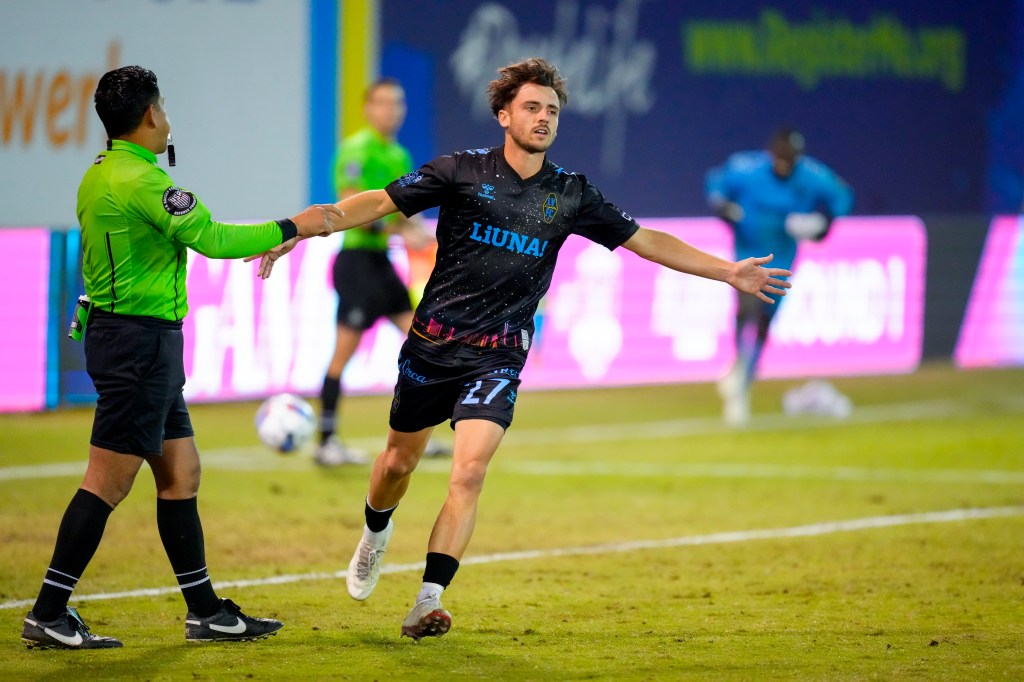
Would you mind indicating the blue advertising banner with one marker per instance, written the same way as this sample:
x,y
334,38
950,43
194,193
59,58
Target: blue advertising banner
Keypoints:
x,y
895,95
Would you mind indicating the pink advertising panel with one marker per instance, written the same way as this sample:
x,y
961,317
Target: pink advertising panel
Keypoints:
x,y
857,304
23,343
246,337
610,318
992,333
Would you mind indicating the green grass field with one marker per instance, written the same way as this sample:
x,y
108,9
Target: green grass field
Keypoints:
x,y
623,534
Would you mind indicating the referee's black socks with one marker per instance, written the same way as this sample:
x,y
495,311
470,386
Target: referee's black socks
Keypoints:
x,y
79,535
182,535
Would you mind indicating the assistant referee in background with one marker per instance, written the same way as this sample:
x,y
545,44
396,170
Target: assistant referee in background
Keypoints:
x,y
136,225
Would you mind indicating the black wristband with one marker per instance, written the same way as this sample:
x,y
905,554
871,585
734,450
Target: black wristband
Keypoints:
x,y
288,229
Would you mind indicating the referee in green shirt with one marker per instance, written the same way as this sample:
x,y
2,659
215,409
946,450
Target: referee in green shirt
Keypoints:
x,y
136,226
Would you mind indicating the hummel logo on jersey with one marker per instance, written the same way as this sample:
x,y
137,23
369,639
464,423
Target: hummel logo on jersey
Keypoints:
x,y
410,179
487,193
513,241
236,629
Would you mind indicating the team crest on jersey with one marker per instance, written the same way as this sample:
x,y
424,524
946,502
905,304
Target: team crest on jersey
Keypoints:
x,y
178,202
550,207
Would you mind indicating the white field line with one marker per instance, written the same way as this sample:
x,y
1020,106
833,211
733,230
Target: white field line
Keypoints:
x,y
242,459
810,530
702,426
767,471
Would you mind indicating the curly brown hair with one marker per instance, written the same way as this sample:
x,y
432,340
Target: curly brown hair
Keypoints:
x,y
512,77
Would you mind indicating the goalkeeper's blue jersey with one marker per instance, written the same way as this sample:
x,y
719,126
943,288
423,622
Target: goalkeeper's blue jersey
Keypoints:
x,y
747,179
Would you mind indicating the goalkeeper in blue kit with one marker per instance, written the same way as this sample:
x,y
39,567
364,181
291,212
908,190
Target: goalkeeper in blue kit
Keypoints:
x,y
772,199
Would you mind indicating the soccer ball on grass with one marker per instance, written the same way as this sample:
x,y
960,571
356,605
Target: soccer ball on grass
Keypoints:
x,y
285,423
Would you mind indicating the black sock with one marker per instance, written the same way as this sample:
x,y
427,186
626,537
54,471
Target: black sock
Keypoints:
x,y
330,395
377,521
182,535
440,569
77,539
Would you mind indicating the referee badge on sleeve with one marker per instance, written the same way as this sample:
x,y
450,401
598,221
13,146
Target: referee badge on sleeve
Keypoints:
x,y
178,201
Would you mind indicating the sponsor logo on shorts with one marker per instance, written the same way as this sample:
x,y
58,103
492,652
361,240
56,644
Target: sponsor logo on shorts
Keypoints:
x,y
406,371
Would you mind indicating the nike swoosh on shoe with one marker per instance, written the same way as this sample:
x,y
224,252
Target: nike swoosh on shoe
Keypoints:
x,y
64,639
236,629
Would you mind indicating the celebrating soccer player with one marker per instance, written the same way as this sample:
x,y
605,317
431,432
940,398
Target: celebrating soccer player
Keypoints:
x,y
504,214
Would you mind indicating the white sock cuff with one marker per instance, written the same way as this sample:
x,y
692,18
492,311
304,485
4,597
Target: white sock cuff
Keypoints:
x,y
378,510
429,591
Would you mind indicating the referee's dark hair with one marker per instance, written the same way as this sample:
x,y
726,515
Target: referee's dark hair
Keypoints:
x,y
122,96
514,76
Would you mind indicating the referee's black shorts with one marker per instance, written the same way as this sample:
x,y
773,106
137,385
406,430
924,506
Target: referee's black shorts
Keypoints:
x,y
368,288
137,366
459,382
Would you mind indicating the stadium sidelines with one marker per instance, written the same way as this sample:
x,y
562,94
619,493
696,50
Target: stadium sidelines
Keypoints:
x,y
809,530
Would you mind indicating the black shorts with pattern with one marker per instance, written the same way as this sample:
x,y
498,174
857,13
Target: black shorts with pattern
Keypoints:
x,y
454,382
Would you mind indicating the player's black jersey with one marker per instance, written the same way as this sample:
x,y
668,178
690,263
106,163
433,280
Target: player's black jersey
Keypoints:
x,y
498,237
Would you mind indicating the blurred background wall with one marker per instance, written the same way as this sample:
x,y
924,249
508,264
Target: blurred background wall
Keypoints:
x,y
920,106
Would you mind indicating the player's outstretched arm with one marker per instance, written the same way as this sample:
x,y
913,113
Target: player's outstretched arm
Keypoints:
x,y
747,275
358,209
319,220
366,207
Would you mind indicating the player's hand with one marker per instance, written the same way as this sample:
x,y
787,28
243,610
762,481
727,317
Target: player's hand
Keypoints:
x,y
268,258
319,220
748,276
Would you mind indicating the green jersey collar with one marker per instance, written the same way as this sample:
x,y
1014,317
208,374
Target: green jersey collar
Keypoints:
x,y
125,145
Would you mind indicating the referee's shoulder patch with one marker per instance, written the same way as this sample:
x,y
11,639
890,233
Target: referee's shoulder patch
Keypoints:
x,y
178,202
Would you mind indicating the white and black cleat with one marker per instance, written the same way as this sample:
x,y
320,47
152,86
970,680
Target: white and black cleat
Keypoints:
x,y
68,631
229,624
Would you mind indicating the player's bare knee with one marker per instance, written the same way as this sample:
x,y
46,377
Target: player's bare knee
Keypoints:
x,y
111,492
467,480
178,489
398,462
